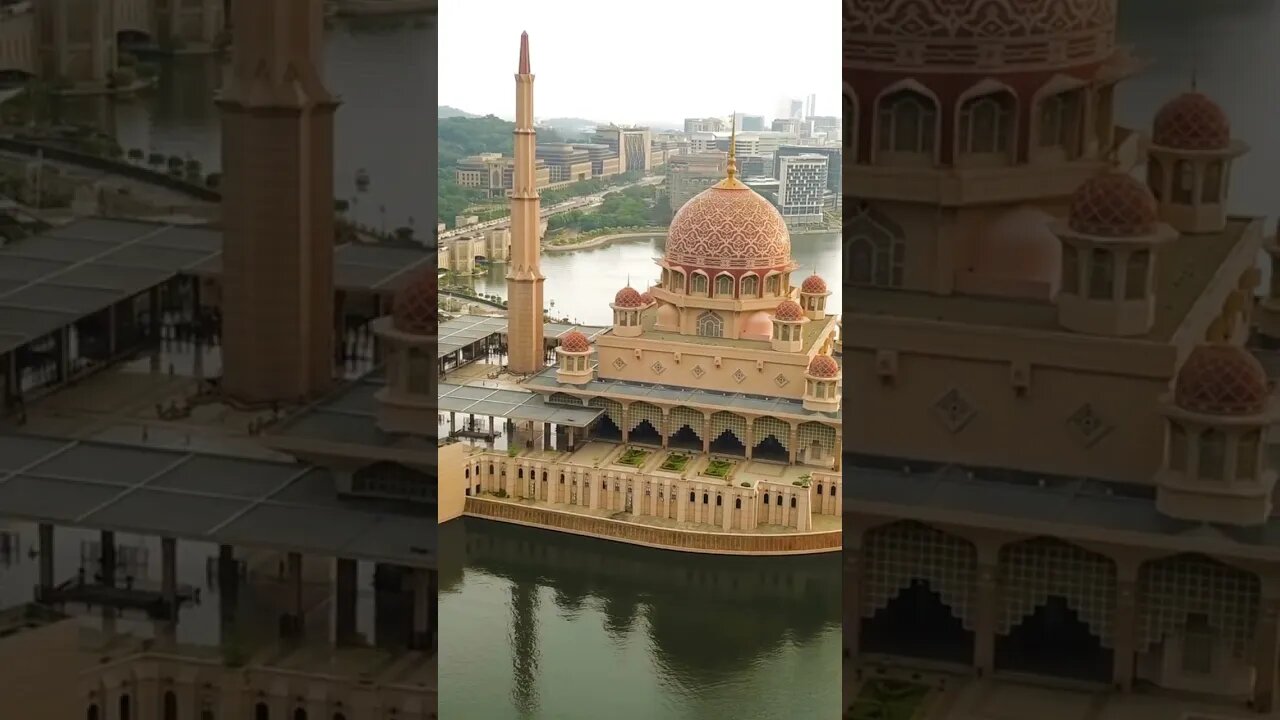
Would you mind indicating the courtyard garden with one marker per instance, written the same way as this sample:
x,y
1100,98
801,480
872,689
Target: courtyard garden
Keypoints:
x,y
633,456
718,468
884,699
675,462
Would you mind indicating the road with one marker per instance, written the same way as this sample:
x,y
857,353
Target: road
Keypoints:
x,y
573,204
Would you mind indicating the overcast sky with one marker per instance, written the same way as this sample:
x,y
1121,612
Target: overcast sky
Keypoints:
x,y
646,61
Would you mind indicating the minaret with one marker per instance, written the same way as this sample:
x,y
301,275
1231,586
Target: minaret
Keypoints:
x,y
277,206
524,274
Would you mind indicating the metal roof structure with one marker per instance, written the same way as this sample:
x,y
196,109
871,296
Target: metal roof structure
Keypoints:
x,y
51,280
675,395
464,330
206,498
349,416
513,405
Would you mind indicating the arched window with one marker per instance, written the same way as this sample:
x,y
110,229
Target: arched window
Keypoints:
x,y
908,123
750,286
779,499
1135,276
699,283
876,253
1247,455
677,281
710,325
793,502
832,491
1070,269
1060,123
300,714
261,712
92,712
737,503
1184,182
1177,447
1213,452
719,500
766,498
772,285
170,705
126,707
986,124
1101,274
1155,178
724,285
1212,190
705,498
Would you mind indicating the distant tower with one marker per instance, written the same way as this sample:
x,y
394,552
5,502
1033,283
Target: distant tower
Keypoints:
x,y
277,161
524,276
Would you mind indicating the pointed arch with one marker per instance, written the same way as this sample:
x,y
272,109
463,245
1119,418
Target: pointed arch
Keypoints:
x,y
875,249
896,554
710,324
724,285
1041,567
750,285
906,125
850,129
987,122
1171,589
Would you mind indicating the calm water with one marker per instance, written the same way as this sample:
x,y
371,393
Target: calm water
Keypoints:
x,y
540,625
582,284
381,71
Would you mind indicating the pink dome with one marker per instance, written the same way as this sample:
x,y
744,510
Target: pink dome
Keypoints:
x,y
1191,121
789,310
628,297
1113,205
646,297
728,226
814,285
1018,245
1221,379
758,324
414,309
574,342
824,366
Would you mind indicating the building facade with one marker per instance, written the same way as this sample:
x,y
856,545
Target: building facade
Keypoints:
x,y
1092,467
565,163
688,175
802,185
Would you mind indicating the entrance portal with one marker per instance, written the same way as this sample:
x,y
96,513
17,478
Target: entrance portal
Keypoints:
x,y
1053,640
917,623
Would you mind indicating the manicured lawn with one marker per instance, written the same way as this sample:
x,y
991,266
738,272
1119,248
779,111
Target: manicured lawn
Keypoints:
x,y
675,462
718,468
881,699
633,456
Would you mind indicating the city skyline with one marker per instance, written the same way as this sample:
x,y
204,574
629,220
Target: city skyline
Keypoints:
x,y
691,53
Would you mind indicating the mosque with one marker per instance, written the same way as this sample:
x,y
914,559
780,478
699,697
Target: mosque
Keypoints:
x,y
705,418
1059,467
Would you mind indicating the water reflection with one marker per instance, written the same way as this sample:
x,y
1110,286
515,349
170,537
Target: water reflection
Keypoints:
x,y
685,636
581,284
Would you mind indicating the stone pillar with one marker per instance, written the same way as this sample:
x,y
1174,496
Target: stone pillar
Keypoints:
x,y
985,614
1123,629
345,597
48,578
1268,655
791,446
107,565
424,610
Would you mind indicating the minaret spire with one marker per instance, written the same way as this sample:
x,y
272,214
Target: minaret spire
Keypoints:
x,y
525,326
731,169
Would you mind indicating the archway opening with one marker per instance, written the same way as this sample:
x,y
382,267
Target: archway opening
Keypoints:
x,y
1053,640
645,434
607,429
918,623
726,443
686,439
770,448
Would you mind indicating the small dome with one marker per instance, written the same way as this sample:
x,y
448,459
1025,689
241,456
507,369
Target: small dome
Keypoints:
x,y
628,297
668,316
1221,379
414,309
789,310
646,298
814,285
574,342
758,325
1019,245
1113,205
1191,121
824,366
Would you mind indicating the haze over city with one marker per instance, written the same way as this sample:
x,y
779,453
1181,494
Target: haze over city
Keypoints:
x,y
669,61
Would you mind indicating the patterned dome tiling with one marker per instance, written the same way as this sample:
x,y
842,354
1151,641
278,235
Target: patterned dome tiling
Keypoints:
x,y
813,285
729,228
414,309
1221,379
1113,205
574,342
1191,121
823,366
628,297
646,297
789,310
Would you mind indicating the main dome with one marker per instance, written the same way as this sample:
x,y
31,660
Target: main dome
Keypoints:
x,y
728,226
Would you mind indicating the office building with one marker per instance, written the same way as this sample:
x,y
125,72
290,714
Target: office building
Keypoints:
x,y
802,184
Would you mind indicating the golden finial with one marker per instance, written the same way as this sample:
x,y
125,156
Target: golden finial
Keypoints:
x,y
731,169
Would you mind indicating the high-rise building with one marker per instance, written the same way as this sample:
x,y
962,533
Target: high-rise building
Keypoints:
x,y
277,161
787,126
810,102
796,109
688,175
604,159
832,153
752,123
802,184
633,145
526,354
711,124
565,163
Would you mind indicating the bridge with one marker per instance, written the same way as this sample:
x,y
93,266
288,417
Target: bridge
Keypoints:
x,y
178,26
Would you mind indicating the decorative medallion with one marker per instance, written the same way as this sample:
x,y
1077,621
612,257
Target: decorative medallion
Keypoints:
x,y
657,367
698,371
1087,425
619,363
954,410
739,376
781,380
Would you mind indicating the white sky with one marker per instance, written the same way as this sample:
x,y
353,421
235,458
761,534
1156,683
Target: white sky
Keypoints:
x,y
641,60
